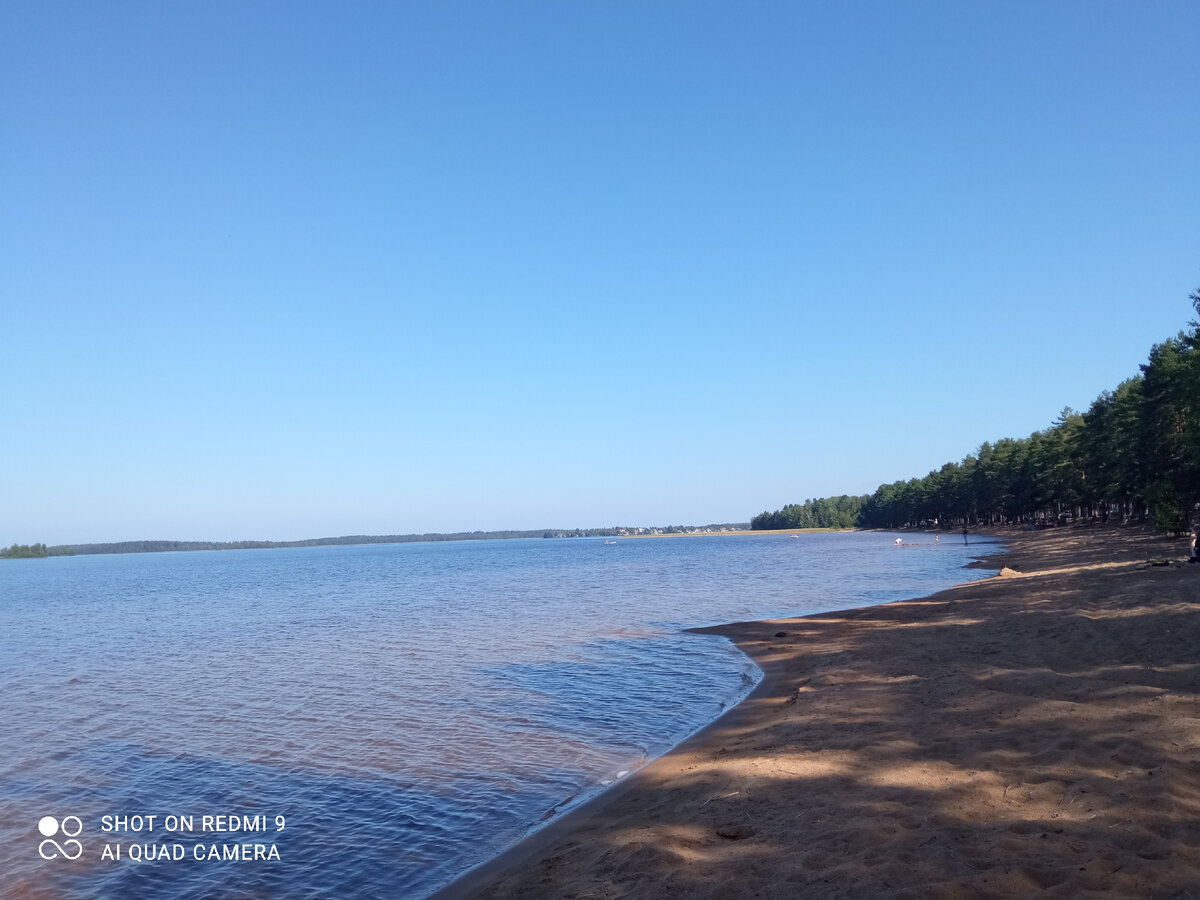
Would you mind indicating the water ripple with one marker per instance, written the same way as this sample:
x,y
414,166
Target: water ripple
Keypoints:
x,y
409,710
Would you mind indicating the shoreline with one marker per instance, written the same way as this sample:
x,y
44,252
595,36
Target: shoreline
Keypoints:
x,y
475,880
1038,732
743,532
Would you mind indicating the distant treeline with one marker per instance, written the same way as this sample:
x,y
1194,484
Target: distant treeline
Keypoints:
x,y
828,512
1134,455
345,540
40,550
25,551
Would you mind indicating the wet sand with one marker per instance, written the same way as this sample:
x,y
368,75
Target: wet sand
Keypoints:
x,y
1032,734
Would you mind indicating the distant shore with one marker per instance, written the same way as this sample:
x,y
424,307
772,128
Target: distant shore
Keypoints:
x,y
1033,733
28,551
735,532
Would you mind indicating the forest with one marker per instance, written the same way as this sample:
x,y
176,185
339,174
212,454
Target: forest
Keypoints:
x,y
826,512
25,551
1133,456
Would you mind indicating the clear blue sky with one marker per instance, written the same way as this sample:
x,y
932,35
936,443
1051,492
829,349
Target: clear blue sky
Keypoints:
x,y
290,269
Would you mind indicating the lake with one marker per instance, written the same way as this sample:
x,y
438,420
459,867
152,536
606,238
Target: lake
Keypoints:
x,y
372,721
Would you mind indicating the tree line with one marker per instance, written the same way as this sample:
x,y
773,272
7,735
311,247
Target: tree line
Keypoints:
x,y
826,512
25,551
41,550
345,540
1134,455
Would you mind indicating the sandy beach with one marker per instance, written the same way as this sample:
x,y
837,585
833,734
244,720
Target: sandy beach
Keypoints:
x,y
1036,733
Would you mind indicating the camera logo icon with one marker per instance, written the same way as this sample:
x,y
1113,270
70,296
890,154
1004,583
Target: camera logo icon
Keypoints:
x,y
70,828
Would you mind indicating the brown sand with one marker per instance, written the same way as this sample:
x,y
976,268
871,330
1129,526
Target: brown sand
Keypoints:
x,y
1035,734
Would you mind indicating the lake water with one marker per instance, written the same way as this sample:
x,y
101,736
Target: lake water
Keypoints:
x,y
377,719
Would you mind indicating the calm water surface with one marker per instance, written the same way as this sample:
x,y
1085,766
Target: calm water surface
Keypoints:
x,y
406,710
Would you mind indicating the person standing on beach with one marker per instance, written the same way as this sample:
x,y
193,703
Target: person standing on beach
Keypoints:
x,y
965,541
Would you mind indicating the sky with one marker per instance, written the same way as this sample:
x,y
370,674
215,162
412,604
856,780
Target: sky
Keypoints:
x,y
277,270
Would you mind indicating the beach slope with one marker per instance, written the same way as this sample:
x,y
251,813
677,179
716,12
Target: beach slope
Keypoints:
x,y
1034,733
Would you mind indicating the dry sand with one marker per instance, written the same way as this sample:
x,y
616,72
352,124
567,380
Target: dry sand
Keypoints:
x,y
1030,735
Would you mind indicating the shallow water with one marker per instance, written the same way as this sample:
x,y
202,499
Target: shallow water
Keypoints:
x,y
408,710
